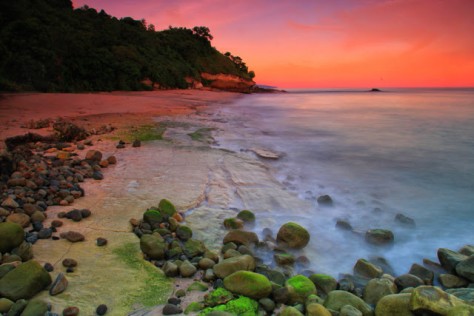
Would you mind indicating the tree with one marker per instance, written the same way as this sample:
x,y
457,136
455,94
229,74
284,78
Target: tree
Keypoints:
x,y
203,32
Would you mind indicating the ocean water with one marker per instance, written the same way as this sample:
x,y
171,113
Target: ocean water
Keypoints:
x,y
408,151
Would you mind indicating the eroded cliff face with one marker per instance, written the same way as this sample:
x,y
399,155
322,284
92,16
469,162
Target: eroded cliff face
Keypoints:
x,y
228,82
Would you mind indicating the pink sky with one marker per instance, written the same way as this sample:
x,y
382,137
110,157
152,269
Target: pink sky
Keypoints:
x,y
321,43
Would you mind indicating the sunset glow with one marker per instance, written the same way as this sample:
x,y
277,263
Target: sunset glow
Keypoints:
x,y
341,43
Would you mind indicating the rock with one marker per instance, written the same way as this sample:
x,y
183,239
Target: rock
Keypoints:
x,y
281,295
452,281
153,245
316,309
267,304
290,311
337,299
11,236
187,269
5,268
94,155
379,237
167,208
48,267
193,248
104,163
101,309
249,284
228,266
218,297
274,276
10,203
378,288
23,251
283,259
71,311
5,305
299,288
433,299
241,237
394,305
423,273
324,283
465,268
408,280
19,218
233,223
466,294
197,286
246,216
405,220
324,200
100,242
59,285
153,217
348,310
75,215
45,233
56,223
112,160
18,307
25,281
170,269
462,310
344,225
35,308
37,217
184,232
171,309
293,235
206,263
194,307
72,236
449,259
174,301
467,250
209,275
367,269
136,143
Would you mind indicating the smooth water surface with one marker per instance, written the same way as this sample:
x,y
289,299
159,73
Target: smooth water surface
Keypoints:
x,y
376,154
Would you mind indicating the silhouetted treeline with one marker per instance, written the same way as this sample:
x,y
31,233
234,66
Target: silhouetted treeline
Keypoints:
x,y
46,45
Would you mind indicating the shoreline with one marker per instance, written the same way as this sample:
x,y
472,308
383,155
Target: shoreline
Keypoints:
x,y
207,184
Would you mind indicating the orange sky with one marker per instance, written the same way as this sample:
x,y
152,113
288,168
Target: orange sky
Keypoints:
x,y
329,43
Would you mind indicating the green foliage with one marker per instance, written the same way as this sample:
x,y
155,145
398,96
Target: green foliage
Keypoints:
x,y
47,45
240,306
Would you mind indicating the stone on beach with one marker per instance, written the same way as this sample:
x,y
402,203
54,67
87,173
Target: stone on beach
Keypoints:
x,y
241,237
72,236
11,236
379,237
465,268
59,285
293,235
249,284
234,264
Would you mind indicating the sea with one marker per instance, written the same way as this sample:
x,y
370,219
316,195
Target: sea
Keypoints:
x,y
376,154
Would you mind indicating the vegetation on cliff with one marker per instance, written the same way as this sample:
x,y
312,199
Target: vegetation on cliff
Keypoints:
x,y
47,45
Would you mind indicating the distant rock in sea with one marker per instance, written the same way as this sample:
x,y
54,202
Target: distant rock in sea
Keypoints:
x,y
375,90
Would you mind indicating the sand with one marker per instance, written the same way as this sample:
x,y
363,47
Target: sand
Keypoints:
x,y
206,184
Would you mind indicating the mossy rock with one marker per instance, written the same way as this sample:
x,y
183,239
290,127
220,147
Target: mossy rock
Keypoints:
x,y
197,286
25,281
242,306
193,248
184,232
228,266
337,299
233,223
241,237
283,259
367,269
316,309
378,288
291,311
299,288
167,208
379,237
152,217
464,310
293,235
324,283
193,307
433,299
5,304
246,216
5,268
35,308
11,236
218,297
394,304
249,284
153,245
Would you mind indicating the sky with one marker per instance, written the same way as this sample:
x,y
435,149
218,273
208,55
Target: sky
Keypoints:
x,y
328,43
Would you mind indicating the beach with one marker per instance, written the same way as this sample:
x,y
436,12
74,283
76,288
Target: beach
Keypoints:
x,y
203,182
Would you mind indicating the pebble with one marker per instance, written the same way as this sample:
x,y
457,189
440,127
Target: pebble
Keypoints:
x,y
101,241
69,263
101,309
48,267
71,311
59,285
72,236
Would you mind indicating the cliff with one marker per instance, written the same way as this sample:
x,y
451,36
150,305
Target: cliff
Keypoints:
x,y
228,82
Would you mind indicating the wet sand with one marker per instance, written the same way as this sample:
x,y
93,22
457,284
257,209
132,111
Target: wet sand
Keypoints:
x,y
206,184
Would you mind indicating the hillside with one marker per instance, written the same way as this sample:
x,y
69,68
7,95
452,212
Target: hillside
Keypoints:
x,y
47,45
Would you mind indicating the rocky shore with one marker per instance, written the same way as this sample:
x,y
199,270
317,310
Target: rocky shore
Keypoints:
x,y
93,222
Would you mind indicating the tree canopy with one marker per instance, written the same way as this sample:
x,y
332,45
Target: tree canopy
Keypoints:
x,y
47,45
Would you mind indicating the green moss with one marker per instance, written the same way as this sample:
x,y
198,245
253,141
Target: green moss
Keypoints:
x,y
247,216
218,297
300,287
202,135
152,217
156,287
197,286
193,307
146,132
233,223
240,306
167,208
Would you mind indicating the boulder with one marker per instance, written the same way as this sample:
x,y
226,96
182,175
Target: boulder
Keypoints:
x,y
249,284
193,248
228,266
394,305
423,273
167,208
152,217
299,288
449,259
246,216
233,223
466,294
348,310
378,288
408,280
293,235
462,310
274,276
241,237
153,245
170,269
316,309
184,232
11,236
187,269
433,299
19,218
452,281
367,269
35,308
324,283
465,268
25,281
337,299
379,237
405,220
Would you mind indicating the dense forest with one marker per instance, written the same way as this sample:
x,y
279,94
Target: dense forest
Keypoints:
x,y
47,45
